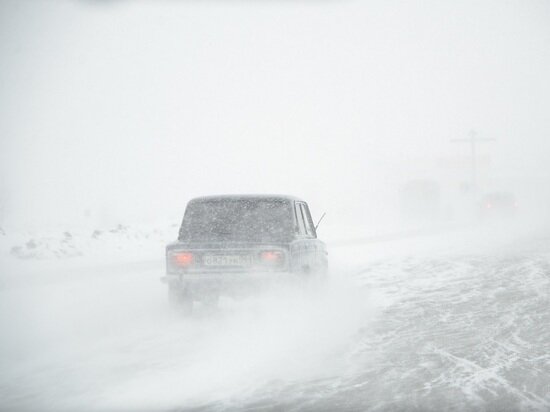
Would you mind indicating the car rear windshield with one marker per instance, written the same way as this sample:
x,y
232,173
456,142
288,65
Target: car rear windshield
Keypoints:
x,y
258,220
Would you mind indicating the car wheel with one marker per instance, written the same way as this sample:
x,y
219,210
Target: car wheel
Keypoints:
x,y
180,300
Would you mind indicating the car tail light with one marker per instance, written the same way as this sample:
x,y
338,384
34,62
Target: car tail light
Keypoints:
x,y
183,258
272,257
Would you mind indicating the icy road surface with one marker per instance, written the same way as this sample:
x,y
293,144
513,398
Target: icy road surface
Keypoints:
x,y
449,322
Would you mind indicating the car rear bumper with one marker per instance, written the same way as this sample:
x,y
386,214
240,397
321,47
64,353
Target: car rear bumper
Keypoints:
x,y
227,283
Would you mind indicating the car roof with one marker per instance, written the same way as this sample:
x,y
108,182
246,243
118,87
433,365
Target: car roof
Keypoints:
x,y
285,198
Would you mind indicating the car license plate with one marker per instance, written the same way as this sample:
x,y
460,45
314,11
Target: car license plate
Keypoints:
x,y
227,260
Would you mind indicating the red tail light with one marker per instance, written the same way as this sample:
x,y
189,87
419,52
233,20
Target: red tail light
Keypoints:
x,y
183,258
272,256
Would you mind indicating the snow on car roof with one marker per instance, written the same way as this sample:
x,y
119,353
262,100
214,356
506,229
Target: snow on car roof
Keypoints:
x,y
245,197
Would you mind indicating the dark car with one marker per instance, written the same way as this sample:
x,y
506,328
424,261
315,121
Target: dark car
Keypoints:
x,y
228,245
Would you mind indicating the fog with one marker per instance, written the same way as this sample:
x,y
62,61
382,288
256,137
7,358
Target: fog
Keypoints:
x,y
129,109
114,114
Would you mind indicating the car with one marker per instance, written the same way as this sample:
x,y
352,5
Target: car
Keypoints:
x,y
234,244
498,205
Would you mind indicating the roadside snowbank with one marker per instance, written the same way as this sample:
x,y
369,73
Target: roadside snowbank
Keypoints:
x,y
119,243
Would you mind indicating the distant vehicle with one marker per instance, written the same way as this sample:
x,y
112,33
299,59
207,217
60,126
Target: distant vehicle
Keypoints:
x,y
498,204
229,244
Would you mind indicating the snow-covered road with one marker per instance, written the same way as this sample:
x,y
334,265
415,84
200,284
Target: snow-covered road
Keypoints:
x,y
446,322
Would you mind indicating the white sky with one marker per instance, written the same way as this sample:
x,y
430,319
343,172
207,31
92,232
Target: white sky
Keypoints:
x,y
131,108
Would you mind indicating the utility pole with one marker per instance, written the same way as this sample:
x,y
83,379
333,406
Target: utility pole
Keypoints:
x,y
473,139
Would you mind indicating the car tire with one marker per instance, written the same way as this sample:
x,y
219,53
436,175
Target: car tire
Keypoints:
x,y
180,300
